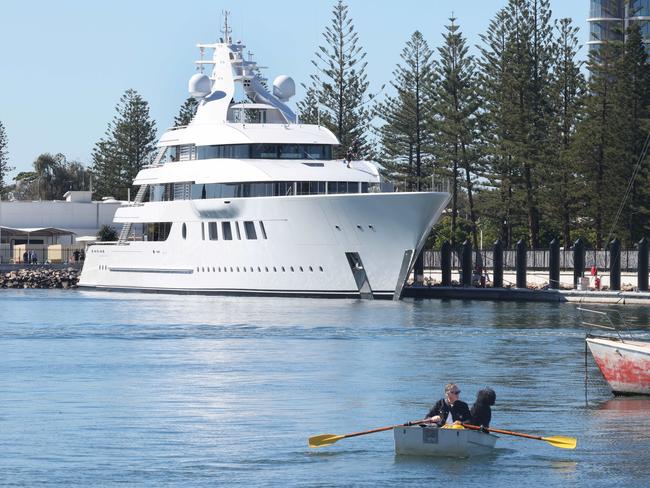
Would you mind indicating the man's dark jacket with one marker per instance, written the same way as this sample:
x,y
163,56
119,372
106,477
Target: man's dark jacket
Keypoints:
x,y
459,411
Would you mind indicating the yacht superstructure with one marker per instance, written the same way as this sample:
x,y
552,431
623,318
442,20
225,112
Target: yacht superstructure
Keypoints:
x,y
247,200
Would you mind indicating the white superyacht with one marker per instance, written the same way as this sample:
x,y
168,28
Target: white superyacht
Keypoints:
x,y
247,200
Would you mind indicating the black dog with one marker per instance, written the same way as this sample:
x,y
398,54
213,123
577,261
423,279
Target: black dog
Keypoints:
x,y
481,411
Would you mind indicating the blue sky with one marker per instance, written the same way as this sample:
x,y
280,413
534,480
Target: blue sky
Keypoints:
x,y
65,64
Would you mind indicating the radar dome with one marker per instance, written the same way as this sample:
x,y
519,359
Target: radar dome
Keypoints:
x,y
199,85
284,87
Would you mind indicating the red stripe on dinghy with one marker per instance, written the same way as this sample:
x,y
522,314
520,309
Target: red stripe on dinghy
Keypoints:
x,y
621,372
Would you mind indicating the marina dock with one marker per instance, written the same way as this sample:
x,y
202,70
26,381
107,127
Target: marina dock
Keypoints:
x,y
526,295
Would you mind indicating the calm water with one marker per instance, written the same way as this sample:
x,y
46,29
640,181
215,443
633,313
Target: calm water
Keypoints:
x,y
152,390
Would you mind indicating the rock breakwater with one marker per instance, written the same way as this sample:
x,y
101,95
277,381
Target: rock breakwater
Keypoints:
x,y
40,278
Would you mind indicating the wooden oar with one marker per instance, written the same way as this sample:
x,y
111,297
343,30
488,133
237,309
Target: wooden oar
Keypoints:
x,y
329,439
560,441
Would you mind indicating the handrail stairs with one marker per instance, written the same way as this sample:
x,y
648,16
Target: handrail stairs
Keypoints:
x,y
142,191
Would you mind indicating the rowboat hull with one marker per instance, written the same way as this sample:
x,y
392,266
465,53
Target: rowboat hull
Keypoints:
x,y
624,364
433,441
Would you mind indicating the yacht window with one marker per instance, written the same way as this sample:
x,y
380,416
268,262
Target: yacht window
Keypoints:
x,y
202,231
187,152
290,151
237,229
316,187
226,231
184,231
212,231
230,151
263,229
257,151
264,151
171,154
283,188
156,231
249,229
182,191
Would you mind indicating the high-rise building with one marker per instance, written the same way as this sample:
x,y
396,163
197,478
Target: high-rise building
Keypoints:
x,y
608,20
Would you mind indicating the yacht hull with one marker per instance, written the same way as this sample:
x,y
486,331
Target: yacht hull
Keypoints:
x,y
346,245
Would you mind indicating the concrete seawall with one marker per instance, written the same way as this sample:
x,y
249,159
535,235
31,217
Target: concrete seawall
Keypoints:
x,y
525,295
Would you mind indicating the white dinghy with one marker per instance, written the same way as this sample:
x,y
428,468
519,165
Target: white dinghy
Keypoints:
x,y
443,442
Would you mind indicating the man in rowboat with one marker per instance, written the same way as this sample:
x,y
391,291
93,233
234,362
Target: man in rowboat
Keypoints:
x,y
449,409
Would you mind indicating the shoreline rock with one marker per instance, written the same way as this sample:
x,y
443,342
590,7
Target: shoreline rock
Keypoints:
x,y
40,277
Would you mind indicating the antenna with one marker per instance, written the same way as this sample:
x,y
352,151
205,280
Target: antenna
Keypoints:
x,y
200,66
226,30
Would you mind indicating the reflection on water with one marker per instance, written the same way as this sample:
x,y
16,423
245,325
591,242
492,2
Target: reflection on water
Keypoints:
x,y
151,390
628,405
564,467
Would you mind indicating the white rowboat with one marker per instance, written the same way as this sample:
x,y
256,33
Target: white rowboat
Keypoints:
x,y
434,441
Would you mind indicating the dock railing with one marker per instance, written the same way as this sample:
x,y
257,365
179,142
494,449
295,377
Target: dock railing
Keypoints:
x,y
539,259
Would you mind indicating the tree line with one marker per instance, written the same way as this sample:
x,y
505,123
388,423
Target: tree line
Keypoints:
x,y
531,148
527,144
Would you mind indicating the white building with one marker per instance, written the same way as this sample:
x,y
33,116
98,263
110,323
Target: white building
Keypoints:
x,y
39,224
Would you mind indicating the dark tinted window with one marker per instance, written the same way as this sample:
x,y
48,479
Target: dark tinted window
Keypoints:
x,y
212,231
157,231
249,229
265,151
226,231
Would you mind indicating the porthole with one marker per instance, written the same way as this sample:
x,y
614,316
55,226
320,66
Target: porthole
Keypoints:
x,y
301,270
291,268
184,230
311,269
238,269
213,269
251,269
219,268
259,270
266,268
320,268
197,269
275,270
231,269
283,270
